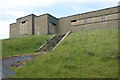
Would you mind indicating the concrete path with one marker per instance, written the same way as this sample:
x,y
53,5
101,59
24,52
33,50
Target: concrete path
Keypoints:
x,y
14,62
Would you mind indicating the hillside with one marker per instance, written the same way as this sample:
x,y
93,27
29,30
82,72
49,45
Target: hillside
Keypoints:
x,y
86,54
23,45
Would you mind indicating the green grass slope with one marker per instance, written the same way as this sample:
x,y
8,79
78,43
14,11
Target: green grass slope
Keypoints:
x,y
22,45
87,54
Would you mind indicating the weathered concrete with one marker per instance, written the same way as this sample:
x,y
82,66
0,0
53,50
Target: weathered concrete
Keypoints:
x,y
47,24
41,25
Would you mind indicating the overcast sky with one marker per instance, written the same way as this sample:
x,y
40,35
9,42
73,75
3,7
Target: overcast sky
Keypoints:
x,y
12,9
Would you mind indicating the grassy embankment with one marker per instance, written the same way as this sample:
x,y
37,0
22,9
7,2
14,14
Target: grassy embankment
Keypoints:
x,y
87,54
22,45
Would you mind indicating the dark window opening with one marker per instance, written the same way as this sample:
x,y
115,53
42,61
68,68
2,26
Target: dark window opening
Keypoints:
x,y
23,22
73,20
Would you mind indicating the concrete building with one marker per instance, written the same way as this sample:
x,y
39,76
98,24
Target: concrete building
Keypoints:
x,y
47,24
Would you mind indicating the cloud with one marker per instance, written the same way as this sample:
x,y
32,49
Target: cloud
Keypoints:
x,y
16,12
4,29
25,3
92,0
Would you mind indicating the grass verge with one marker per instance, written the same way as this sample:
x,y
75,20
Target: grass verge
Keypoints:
x,y
23,45
86,54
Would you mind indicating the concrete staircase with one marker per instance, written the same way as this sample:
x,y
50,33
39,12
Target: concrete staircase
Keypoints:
x,y
52,43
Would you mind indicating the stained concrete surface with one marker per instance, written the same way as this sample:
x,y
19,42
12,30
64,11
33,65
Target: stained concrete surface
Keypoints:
x,y
14,61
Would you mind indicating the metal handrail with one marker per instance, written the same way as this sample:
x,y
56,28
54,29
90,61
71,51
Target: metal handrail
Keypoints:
x,y
61,40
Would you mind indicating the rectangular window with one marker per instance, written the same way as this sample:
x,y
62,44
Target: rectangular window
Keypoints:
x,y
103,18
85,21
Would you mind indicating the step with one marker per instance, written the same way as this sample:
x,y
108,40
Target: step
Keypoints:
x,y
52,43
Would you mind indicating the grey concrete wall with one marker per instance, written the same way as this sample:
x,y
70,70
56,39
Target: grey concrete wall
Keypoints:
x,y
13,30
29,25
18,29
37,25
112,16
94,19
65,24
52,27
96,26
24,28
41,25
